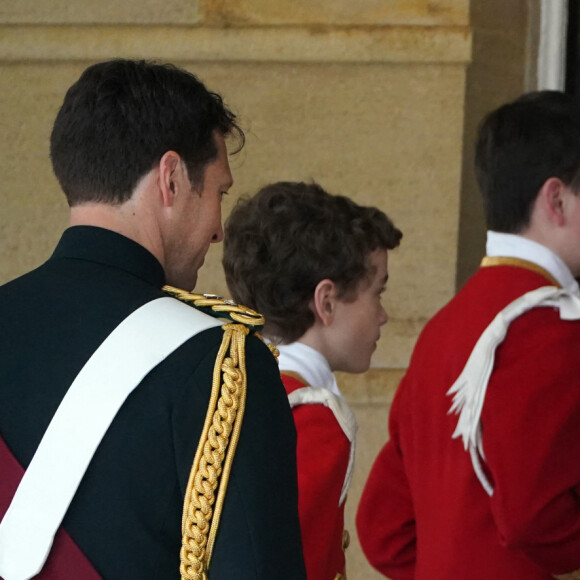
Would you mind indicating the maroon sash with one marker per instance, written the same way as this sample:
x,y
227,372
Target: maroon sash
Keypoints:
x,y
66,561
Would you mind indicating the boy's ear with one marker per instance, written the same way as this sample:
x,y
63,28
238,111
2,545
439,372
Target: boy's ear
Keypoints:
x,y
552,197
324,301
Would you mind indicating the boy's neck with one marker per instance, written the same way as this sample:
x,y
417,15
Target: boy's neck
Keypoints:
x,y
314,337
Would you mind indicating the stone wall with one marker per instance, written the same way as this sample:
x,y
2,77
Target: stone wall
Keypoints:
x,y
368,98
503,66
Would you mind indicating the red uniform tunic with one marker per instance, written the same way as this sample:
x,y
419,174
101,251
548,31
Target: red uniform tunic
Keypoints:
x,y
322,458
424,514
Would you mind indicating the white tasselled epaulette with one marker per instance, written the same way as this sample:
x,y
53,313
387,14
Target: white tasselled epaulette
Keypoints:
x,y
470,387
343,415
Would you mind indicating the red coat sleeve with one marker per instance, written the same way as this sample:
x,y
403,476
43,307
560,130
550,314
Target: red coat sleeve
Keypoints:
x,y
531,440
385,518
322,458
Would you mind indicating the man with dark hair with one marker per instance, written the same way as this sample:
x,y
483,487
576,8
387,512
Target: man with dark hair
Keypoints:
x,y
479,478
316,266
128,408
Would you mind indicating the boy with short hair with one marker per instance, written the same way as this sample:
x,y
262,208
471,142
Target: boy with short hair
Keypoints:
x,y
495,491
315,265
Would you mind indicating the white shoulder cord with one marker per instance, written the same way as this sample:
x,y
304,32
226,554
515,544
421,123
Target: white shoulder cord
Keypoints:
x,y
470,387
343,414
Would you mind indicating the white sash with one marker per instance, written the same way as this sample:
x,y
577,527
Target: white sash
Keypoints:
x,y
144,339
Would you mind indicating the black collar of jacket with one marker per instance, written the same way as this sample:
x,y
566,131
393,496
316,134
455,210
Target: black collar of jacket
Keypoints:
x,y
112,249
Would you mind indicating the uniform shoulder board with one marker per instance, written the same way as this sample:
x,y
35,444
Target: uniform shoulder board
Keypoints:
x,y
219,307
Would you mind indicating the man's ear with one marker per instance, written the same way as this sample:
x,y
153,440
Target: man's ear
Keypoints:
x,y
323,302
169,174
552,199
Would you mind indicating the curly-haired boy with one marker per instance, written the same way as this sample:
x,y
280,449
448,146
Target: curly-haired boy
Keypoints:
x,y
315,265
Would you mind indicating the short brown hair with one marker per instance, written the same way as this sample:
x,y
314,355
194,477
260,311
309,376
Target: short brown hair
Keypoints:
x,y
280,243
121,116
519,146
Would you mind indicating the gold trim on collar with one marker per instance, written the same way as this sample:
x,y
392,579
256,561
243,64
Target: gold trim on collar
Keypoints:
x,y
519,263
295,376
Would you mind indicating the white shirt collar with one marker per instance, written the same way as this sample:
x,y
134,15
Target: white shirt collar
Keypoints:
x,y
514,246
310,364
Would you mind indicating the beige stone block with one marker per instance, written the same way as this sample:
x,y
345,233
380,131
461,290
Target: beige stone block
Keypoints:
x,y
397,341
21,43
376,386
503,68
34,211
370,395
101,12
370,12
499,14
371,436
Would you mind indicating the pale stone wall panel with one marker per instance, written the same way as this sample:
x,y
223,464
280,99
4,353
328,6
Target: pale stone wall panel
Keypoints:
x,y
370,395
338,12
500,71
412,44
99,12
499,14
34,210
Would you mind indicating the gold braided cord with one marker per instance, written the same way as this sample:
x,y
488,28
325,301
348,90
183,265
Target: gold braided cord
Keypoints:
x,y
235,381
209,475
274,350
196,516
212,464
218,305
271,346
